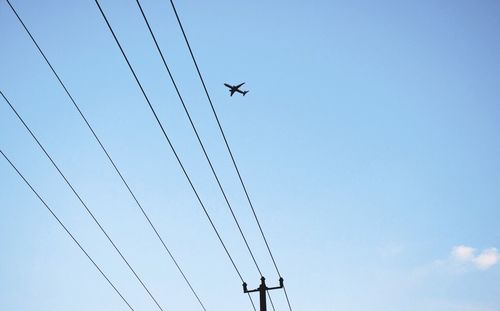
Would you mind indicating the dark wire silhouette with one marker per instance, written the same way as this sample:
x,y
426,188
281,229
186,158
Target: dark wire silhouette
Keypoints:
x,y
112,163
169,142
82,202
227,145
207,157
198,136
67,230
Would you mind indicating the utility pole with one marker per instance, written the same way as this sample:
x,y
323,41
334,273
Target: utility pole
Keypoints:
x,y
262,291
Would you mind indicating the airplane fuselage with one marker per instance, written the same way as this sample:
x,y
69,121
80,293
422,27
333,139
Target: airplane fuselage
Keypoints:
x,y
235,88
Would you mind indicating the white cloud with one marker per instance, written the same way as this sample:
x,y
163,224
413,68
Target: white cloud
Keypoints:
x,y
483,261
488,258
463,253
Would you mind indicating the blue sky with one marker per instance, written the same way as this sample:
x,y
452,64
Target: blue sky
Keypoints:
x,y
369,143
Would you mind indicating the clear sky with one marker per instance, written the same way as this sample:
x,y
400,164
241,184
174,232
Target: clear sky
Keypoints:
x,y
369,142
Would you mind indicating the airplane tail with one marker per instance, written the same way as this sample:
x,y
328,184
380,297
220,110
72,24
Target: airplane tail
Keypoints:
x,y
244,93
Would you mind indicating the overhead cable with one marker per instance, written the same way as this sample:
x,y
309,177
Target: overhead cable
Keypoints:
x,y
82,202
104,149
214,173
227,145
67,231
163,130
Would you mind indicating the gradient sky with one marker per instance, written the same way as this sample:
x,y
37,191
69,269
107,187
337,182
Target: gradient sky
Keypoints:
x,y
369,142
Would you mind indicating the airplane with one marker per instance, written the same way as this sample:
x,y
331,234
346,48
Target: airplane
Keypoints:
x,y
235,88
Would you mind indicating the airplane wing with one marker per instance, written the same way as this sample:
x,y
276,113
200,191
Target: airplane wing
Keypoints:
x,y
232,91
239,85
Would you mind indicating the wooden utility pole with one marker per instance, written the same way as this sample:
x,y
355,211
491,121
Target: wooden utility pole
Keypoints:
x,y
262,291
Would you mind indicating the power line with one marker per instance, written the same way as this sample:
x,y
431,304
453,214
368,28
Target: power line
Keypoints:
x,y
227,145
82,202
170,143
112,163
67,230
200,141
198,136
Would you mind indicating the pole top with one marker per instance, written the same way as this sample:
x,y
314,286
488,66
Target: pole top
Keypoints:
x,y
262,283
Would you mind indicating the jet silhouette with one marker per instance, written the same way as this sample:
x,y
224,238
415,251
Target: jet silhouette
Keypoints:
x,y
235,88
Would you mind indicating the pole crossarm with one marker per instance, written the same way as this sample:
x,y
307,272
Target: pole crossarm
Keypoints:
x,y
262,289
